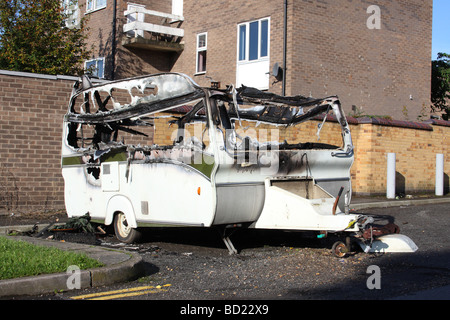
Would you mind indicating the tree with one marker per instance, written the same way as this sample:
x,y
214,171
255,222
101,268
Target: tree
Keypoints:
x,y
34,38
440,85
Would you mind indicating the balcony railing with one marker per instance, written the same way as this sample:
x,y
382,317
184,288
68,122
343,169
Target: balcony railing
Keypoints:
x,y
166,35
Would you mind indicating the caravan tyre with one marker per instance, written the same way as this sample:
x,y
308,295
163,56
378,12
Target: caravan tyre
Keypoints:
x,y
339,249
123,231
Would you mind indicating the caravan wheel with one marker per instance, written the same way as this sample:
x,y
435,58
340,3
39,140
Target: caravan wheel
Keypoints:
x,y
339,249
123,231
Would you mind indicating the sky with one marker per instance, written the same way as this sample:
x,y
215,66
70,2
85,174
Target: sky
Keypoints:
x,y
441,27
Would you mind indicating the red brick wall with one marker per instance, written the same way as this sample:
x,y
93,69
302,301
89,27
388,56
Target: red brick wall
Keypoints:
x,y
134,61
334,52
220,20
31,113
99,23
128,61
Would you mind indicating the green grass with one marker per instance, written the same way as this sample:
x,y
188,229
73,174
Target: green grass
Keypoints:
x,y
21,259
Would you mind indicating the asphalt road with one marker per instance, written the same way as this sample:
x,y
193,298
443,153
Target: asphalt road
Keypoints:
x,y
193,264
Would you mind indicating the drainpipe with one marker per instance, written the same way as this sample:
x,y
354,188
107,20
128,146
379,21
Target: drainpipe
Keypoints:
x,y
284,48
113,42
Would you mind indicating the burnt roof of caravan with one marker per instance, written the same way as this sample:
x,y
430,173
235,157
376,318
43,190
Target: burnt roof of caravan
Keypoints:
x,y
175,89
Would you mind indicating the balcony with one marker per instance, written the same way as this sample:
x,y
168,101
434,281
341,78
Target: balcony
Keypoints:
x,y
153,30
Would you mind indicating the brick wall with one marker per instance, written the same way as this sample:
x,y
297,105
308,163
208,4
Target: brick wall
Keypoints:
x,y
415,145
135,61
99,24
220,19
129,62
31,113
377,71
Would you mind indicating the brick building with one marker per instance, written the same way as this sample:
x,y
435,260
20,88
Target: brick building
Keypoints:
x,y
375,55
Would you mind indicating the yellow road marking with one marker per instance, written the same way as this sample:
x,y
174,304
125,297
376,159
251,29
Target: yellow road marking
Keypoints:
x,y
130,294
121,293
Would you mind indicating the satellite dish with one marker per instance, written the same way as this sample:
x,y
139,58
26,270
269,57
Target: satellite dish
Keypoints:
x,y
277,71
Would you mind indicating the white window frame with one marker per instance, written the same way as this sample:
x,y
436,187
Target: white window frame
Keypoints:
x,y
94,5
96,60
247,41
199,50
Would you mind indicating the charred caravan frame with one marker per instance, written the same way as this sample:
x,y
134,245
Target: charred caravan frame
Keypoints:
x,y
229,162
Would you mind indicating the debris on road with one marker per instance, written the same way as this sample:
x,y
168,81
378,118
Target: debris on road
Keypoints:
x,y
76,224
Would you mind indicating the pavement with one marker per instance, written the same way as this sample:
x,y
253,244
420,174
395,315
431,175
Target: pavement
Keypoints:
x,y
360,202
122,266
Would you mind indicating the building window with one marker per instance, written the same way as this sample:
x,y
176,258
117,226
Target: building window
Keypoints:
x,y
253,40
253,50
202,46
95,67
93,5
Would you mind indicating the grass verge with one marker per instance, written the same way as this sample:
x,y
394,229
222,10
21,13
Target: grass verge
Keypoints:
x,y
22,259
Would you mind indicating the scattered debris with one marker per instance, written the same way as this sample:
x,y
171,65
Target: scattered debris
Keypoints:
x,y
30,232
79,230
76,224
101,230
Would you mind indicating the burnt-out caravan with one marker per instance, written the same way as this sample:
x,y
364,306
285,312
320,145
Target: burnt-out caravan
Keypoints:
x,y
159,150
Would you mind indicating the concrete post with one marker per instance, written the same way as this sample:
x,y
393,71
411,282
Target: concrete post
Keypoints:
x,y
391,169
439,174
